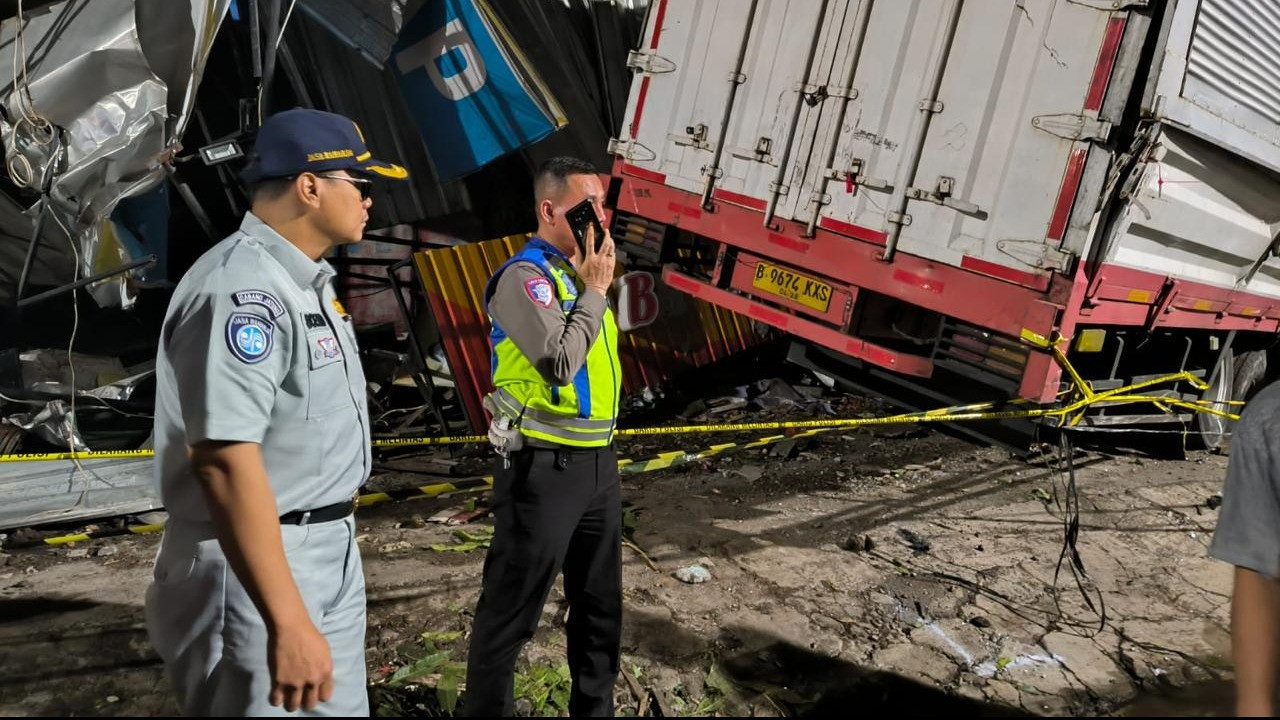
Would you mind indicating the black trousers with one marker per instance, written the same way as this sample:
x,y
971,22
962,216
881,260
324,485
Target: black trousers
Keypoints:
x,y
555,509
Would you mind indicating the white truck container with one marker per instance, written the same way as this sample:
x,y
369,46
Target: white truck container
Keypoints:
x,y
912,184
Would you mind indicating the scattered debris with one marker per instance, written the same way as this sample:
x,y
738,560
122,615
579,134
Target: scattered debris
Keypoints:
x,y
694,409
460,514
396,546
78,553
693,574
640,551
786,450
1214,502
909,434
637,691
441,638
107,551
467,541
858,543
915,540
980,622
751,472
725,404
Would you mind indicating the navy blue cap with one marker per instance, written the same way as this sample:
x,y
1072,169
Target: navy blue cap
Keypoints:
x,y
303,140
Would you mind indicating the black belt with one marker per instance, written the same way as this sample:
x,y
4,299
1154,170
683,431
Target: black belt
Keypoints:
x,y
566,453
328,513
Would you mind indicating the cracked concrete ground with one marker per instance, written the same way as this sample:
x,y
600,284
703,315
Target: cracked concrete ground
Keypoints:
x,y
977,623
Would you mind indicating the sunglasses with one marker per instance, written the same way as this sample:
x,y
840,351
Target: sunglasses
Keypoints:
x,y
364,185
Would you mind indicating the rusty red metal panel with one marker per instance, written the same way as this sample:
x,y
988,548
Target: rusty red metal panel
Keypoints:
x,y
684,333
1177,303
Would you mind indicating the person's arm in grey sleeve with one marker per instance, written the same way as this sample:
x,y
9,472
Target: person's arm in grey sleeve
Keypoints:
x,y
525,307
1248,536
229,362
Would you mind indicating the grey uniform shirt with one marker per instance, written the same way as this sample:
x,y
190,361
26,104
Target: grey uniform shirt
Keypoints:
x,y
1248,532
554,343
255,348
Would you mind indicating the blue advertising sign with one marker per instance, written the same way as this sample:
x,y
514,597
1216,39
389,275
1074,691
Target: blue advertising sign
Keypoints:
x,y
471,102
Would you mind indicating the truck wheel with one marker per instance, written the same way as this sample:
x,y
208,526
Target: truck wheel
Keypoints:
x,y
10,439
1236,379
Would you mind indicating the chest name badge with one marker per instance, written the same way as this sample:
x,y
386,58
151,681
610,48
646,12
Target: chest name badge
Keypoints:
x,y
249,337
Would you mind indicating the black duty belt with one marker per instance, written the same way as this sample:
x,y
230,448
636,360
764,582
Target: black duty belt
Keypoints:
x,y
328,513
565,453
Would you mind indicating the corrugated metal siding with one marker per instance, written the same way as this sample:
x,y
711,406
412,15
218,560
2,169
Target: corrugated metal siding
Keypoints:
x,y
370,26
688,333
1236,51
34,493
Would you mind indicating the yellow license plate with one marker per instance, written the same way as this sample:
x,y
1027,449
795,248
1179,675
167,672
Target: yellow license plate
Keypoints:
x,y
792,286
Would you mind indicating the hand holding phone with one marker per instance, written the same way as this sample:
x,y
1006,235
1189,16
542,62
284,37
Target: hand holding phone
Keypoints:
x,y
581,217
595,263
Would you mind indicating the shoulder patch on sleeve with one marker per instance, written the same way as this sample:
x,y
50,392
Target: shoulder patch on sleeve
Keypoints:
x,y
540,291
249,337
259,297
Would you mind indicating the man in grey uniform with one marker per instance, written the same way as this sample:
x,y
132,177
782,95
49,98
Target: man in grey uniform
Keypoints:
x,y
1248,536
262,440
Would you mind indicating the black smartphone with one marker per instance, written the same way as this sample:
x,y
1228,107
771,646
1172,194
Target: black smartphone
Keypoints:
x,y
581,217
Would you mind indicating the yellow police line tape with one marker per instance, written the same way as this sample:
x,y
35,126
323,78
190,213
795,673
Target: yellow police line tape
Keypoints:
x,y
662,461
1067,415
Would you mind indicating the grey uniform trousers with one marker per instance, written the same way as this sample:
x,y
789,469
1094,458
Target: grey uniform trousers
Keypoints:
x,y
213,640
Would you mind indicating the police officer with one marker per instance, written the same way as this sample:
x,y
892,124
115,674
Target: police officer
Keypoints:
x,y
262,439
556,495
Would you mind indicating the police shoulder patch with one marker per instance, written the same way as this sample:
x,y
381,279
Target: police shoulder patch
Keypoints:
x,y
249,337
540,291
259,297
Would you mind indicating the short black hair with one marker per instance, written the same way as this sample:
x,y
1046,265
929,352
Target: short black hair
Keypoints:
x,y
272,188
552,175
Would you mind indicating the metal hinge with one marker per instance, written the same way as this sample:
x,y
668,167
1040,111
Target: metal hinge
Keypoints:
x,y
1037,254
631,150
1073,126
1108,5
819,199
647,61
